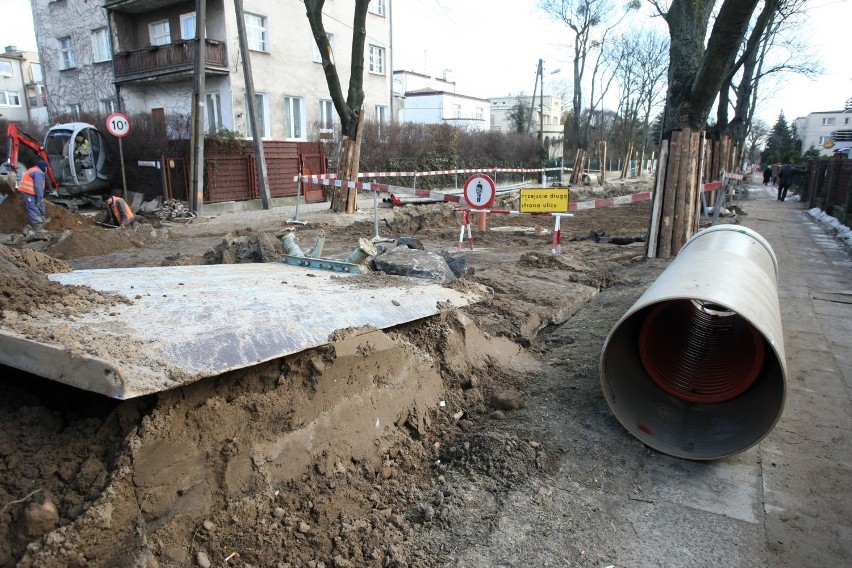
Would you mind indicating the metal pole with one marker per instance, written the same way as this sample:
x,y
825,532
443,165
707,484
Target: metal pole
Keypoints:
x,y
260,159
196,196
295,220
541,122
123,178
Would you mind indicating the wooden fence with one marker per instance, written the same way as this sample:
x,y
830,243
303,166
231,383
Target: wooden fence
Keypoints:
x,y
231,175
827,184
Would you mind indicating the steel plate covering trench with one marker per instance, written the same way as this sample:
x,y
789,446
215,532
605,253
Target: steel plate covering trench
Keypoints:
x,y
188,322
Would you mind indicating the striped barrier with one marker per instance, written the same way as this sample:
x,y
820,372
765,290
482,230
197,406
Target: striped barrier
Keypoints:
x,y
465,224
440,172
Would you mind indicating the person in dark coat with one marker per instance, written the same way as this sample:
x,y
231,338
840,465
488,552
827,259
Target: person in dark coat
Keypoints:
x,y
767,175
785,179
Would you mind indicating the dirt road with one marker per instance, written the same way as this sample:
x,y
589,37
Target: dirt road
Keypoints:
x,y
475,438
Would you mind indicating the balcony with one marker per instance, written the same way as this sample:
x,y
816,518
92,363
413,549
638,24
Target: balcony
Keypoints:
x,y
175,60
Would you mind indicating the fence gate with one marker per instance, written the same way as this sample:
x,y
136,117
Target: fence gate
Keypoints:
x,y
313,164
177,178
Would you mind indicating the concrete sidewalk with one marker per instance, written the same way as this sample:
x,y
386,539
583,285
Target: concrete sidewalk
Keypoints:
x,y
785,503
806,461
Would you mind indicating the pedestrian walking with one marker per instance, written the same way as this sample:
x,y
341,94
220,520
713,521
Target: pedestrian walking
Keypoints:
x,y
785,179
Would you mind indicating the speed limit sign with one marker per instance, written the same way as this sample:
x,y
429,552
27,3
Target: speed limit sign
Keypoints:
x,y
118,125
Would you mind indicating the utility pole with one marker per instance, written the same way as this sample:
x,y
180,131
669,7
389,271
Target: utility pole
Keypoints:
x,y
196,190
541,122
260,159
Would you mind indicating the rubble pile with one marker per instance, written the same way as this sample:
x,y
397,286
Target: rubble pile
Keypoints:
x,y
169,210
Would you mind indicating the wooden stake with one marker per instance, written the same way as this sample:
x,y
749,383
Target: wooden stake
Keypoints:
x,y
659,183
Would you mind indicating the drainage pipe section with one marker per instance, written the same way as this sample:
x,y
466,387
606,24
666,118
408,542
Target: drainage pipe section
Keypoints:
x,y
695,369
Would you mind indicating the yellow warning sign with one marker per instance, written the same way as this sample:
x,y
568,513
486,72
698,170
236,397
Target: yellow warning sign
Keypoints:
x,y
544,200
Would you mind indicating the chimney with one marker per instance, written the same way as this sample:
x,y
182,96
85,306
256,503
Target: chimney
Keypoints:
x,y
11,49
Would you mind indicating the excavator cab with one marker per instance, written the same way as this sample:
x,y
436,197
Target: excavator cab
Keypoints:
x,y
79,158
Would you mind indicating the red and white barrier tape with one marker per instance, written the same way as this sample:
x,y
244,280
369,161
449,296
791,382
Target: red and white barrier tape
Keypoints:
x,y
438,172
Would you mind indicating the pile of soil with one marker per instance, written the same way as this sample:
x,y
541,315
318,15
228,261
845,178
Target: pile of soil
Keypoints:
x,y
347,455
73,236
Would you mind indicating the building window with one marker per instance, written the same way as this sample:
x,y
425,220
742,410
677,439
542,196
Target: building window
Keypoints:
x,y
377,7
6,68
10,98
828,121
326,115
108,106
74,110
262,115
294,117
456,111
66,53
214,112
100,45
35,73
159,33
377,59
822,139
480,113
318,56
187,26
382,114
256,32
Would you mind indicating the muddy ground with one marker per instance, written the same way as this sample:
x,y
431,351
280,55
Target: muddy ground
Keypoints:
x,y
383,448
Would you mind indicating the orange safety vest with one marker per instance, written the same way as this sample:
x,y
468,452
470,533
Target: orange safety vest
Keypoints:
x,y
26,184
116,205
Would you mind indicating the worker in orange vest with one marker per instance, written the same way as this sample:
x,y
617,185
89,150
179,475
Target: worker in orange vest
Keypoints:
x,y
31,188
118,212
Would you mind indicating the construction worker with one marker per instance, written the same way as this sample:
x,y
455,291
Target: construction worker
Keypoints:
x,y
118,213
31,189
82,151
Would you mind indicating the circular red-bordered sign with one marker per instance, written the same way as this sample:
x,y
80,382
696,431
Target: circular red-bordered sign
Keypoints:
x,y
118,125
479,191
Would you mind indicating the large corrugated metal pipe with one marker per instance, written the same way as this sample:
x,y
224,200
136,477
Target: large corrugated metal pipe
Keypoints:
x,y
695,369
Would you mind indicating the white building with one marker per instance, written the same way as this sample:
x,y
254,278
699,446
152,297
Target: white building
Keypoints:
x,y
431,100
829,131
22,96
96,53
546,110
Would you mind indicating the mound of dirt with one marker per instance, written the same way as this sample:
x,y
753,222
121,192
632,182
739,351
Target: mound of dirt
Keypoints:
x,y
321,454
13,216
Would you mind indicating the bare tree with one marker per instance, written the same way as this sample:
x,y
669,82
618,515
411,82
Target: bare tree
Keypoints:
x,y
350,108
638,60
695,76
590,21
757,134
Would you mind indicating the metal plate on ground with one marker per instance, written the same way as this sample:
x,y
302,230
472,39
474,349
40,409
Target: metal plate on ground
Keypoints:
x,y
184,323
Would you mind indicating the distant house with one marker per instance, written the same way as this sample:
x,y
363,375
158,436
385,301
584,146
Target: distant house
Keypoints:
x,y
829,131
429,100
22,96
138,56
545,112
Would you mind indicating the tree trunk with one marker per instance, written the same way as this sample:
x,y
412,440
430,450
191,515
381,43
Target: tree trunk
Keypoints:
x,y
696,75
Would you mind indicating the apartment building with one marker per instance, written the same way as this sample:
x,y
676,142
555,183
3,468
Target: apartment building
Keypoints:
x,y
22,96
138,56
828,131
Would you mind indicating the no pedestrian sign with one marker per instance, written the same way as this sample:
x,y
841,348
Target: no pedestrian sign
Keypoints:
x,y
544,200
479,191
118,125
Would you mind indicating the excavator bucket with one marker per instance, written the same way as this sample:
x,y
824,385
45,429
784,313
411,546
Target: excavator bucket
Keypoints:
x,y
185,323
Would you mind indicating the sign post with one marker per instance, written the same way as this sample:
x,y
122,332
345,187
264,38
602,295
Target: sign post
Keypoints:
x,y
118,125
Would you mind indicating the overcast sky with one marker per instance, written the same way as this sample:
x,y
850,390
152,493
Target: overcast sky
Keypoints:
x,y
492,49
